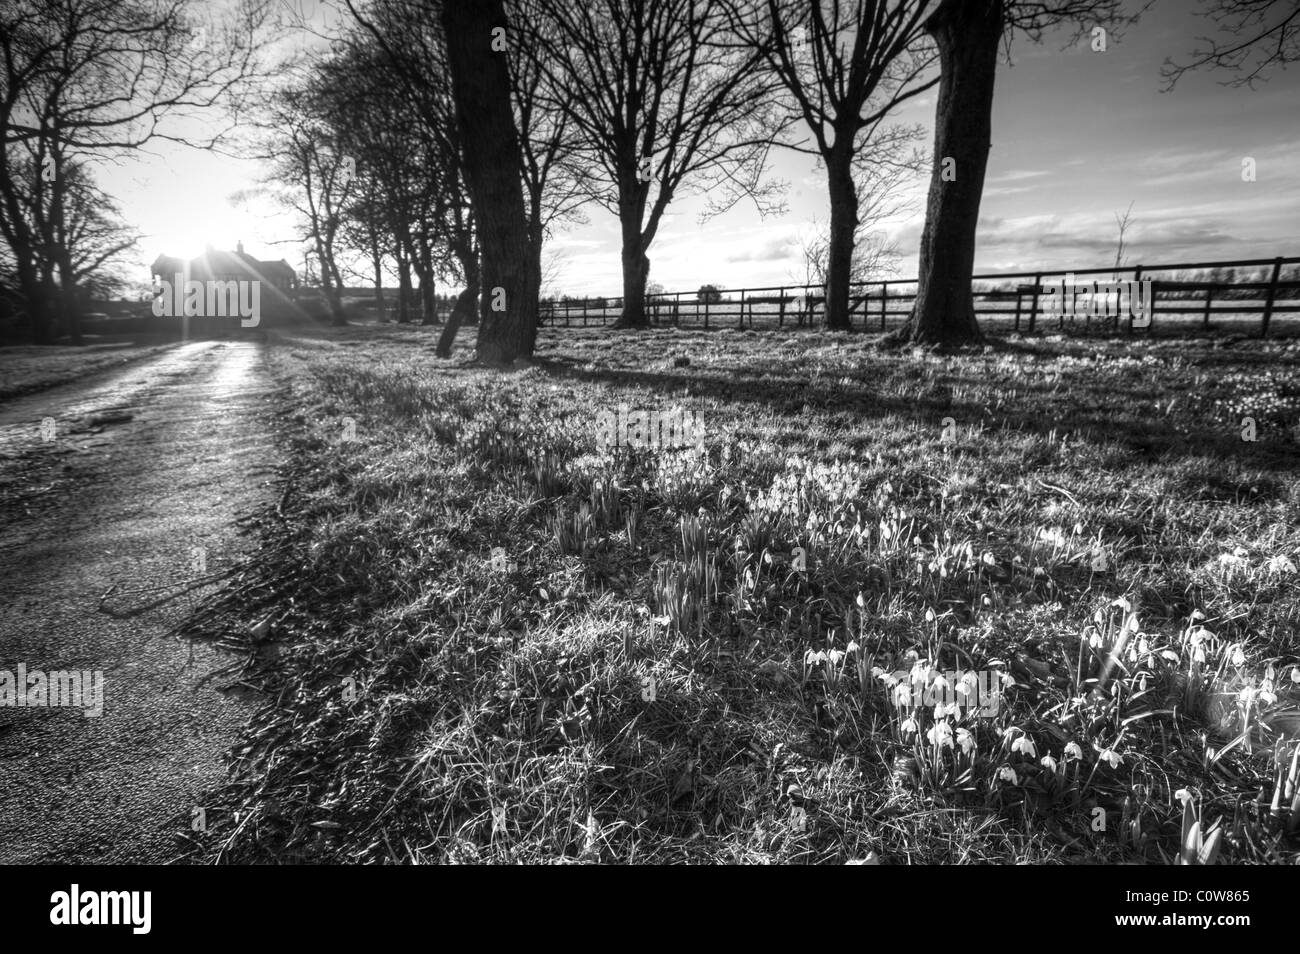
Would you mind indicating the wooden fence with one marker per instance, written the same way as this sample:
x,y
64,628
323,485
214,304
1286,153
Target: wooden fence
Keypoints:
x,y
1179,300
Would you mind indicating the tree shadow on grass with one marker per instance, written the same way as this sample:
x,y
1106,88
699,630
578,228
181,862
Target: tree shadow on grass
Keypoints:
x,y
1112,412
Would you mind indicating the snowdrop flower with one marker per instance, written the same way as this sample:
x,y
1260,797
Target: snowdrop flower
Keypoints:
x,y
966,740
1008,774
965,684
909,727
1183,795
1295,674
813,657
1279,564
942,711
1026,745
1238,657
853,647
902,695
835,656
1048,763
941,735
1111,757
1094,641
1073,752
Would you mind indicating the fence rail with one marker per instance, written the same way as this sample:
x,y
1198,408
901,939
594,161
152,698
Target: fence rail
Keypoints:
x,y
1178,299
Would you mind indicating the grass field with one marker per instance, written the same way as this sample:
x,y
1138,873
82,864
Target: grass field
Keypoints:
x,y
691,658
25,369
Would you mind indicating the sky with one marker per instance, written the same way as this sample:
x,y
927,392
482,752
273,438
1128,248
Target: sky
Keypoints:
x,y
1078,135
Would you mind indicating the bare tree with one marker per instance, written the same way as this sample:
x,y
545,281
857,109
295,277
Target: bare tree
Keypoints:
x,y
847,64
667,101
481,88
877,188
1122,223
968,34
86,79
1265,34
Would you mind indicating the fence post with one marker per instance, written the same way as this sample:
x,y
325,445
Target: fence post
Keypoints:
x,y
742,312
707,296
1272,297
1033,308
1209,296
884,293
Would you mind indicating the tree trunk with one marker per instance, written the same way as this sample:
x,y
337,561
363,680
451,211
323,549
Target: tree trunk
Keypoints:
x,y
466,304
69,301
485,117
403,289
844,228
428,303
636,272
967,35
378,260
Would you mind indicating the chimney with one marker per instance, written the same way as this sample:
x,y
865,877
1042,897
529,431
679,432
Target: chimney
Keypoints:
x,y
239,247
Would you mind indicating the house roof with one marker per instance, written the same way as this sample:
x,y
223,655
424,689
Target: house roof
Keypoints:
x,y
214,262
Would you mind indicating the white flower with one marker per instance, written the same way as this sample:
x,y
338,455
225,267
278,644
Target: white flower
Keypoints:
x,y
965,684
1048,763
966,740
1279,564
902,695
853,646
1008,774
835,656
942,711
1111,757
1073,752
813,657
941,735
909,727
1026,745
1238,656
1295,674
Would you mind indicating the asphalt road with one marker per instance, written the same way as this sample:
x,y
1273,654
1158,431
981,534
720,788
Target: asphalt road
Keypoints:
x,y
142,466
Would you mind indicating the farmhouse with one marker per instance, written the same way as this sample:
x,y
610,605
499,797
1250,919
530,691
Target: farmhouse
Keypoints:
x,y
278,281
